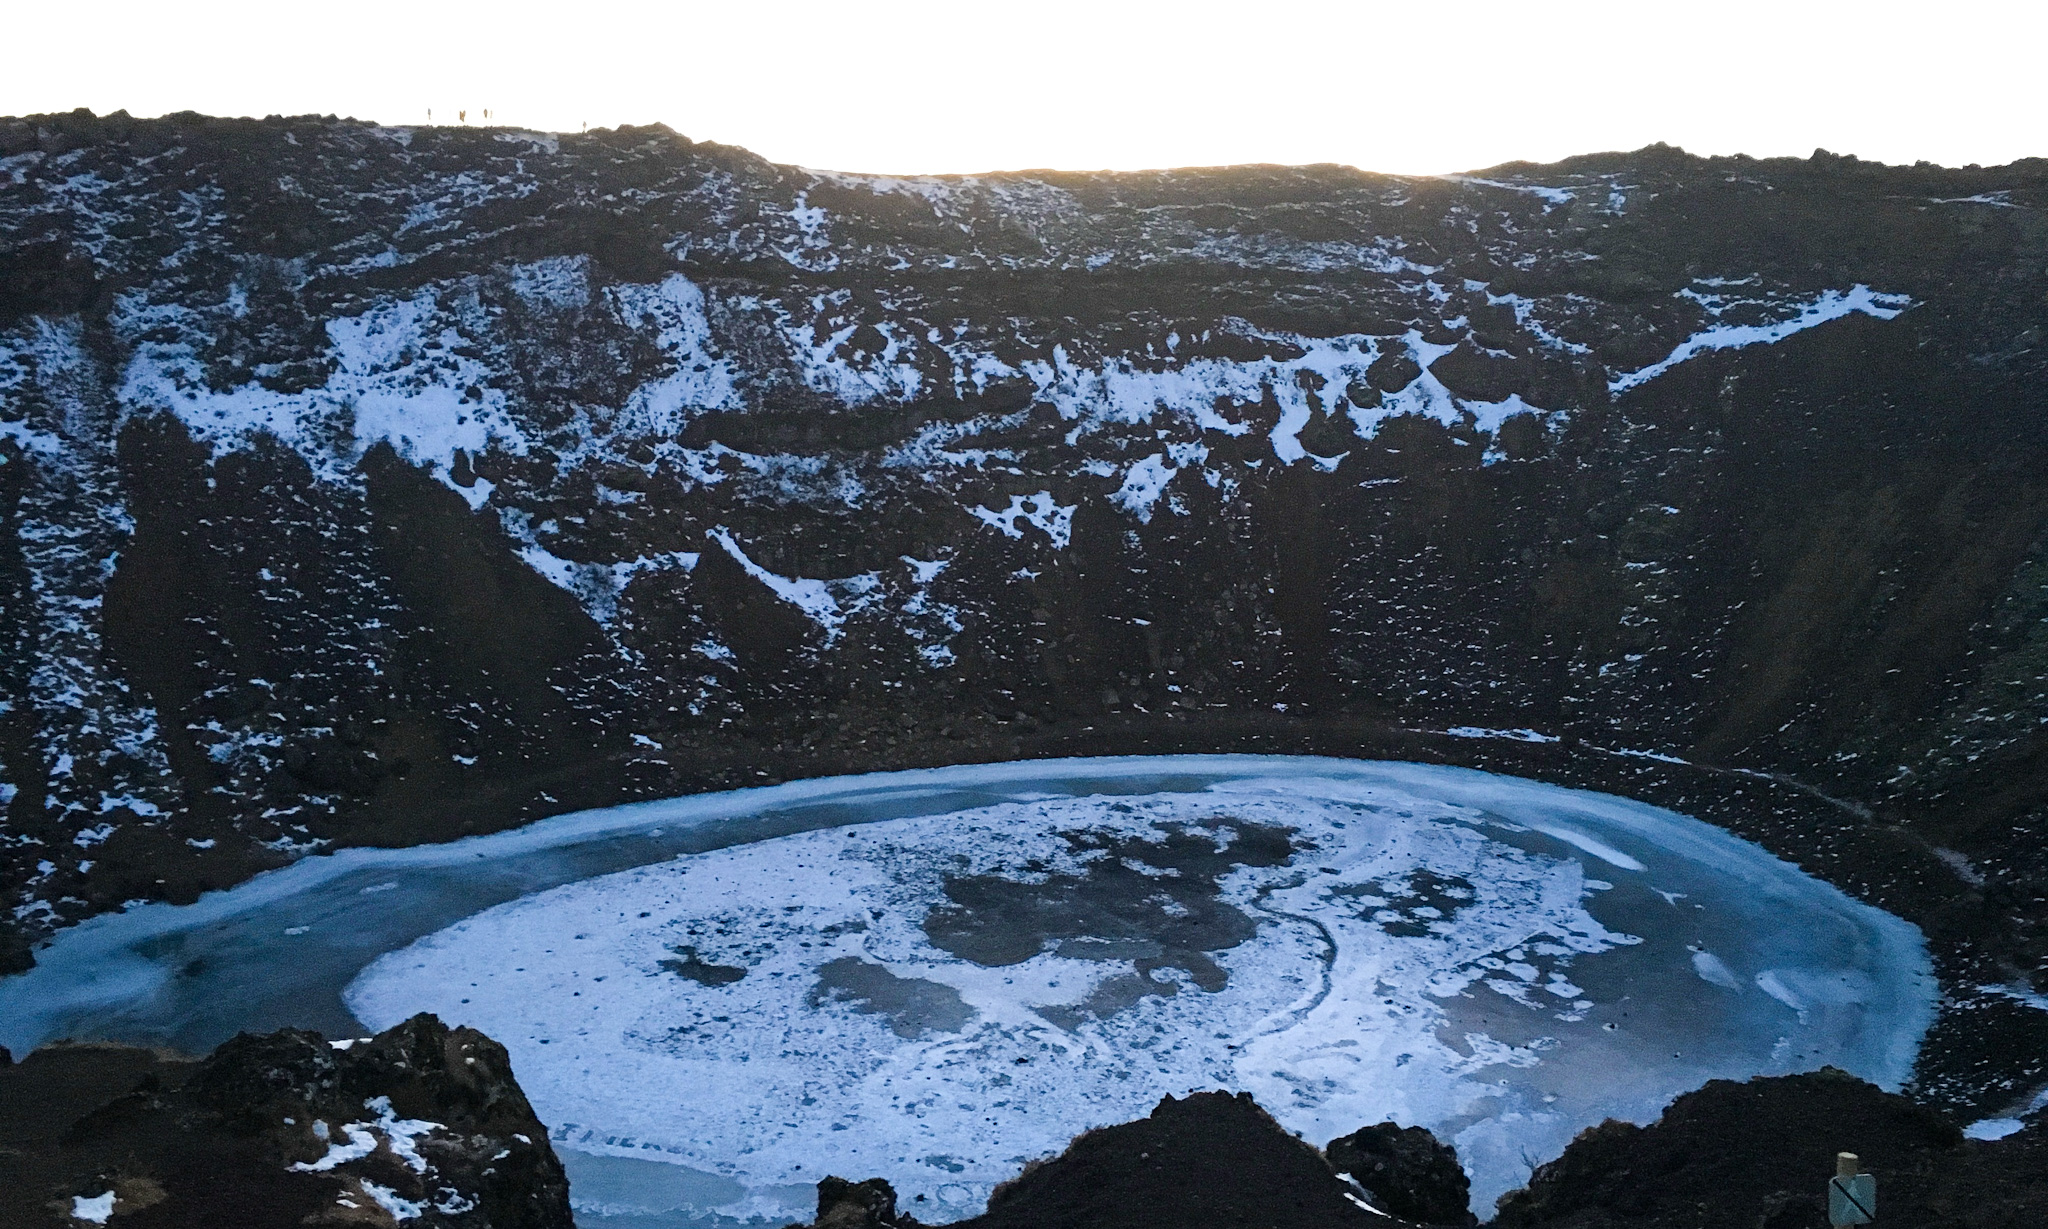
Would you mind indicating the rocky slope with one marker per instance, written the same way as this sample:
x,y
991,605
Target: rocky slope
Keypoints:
x,y
369,485
421,1124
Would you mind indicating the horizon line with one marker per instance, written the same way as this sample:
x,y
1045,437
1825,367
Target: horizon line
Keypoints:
x,y
1512,165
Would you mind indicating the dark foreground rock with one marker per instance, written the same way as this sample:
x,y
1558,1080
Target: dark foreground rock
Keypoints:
x,y
859,1205
422,1124
1758,1155
1407,1171
1754,1155
1208,1159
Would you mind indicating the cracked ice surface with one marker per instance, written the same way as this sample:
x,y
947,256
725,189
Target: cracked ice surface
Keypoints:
x,y
937,999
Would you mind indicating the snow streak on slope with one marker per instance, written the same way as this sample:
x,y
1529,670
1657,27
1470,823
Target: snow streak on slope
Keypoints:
x,y
825,602
1830,305
597,587
700,381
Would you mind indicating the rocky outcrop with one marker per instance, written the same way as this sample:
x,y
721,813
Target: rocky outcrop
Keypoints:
x,y
1407,1172
1207,1159
1739,1156
859,1205
420,1125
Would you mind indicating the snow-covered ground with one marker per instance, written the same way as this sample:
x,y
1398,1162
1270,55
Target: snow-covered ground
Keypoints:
x,y
939,998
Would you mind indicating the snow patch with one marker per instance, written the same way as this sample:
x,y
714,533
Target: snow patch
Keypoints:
x,y
1120,392
2008,1124
361,1142
930,449
558,283
1143,484
852,378
597,587
674,311
71,524
1525,736
2019,992
828,603
1658,756
811,250
389,1200
1551,197
1055,520
1713,970
1830,305
398,1133
400,376
930,623
1525,310
924,571
95,1210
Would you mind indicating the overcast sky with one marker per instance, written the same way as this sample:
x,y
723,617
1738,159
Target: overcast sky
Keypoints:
x,y
913,86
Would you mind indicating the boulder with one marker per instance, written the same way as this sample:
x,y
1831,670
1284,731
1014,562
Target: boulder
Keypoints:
x,y
1759,1153
422,1124
1408,1173
1212,1158
858,1205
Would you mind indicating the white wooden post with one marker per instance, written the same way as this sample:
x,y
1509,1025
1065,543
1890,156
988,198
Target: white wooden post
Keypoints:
x,y
1852,1196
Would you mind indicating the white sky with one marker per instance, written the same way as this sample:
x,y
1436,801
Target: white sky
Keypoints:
x,y
919,86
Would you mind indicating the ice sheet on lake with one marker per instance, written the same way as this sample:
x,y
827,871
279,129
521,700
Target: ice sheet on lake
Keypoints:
x,y
938,999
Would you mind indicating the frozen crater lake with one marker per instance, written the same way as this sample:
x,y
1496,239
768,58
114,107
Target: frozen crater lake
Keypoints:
x,y
935,977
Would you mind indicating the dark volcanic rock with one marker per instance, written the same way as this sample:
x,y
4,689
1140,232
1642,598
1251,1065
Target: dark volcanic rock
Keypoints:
x,y
1408,1172
1207,1159
1755,1155
420,1123
1760,1153
858,1205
